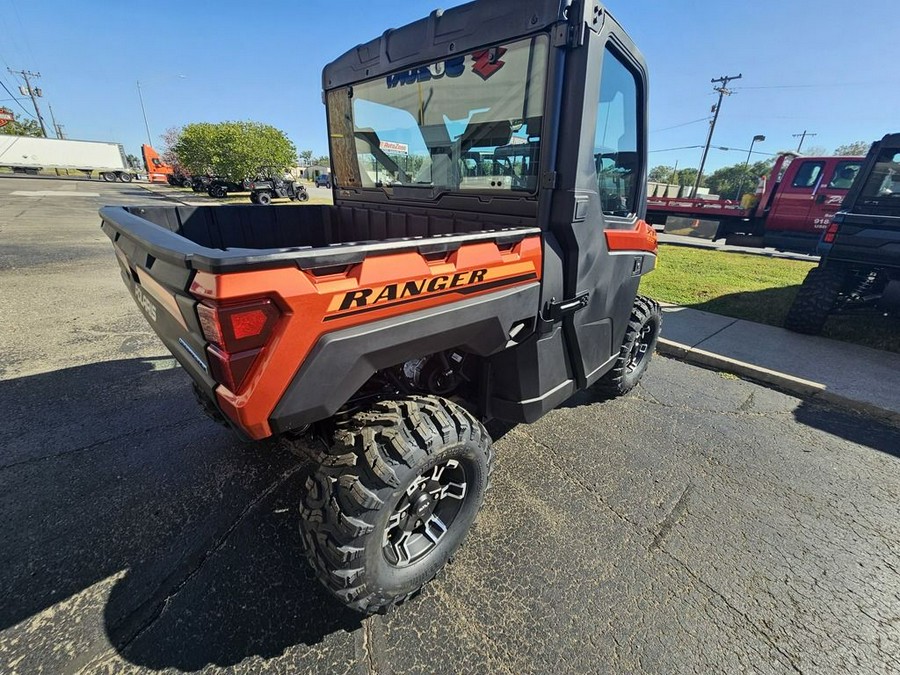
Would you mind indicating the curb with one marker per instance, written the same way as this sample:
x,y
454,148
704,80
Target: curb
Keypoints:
x,y
793,385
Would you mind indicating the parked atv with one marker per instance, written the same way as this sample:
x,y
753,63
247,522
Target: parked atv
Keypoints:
x,y
265,190
179,180
859,266
201,183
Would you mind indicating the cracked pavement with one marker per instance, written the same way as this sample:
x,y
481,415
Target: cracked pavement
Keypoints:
x,y
701,524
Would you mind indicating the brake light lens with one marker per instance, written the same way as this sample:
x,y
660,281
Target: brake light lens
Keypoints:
x,y
830,233
238,335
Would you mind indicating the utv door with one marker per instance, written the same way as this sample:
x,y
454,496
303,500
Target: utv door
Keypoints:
x,y
602,181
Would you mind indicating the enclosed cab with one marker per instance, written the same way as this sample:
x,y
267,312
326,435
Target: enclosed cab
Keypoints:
x,y
481,261
859,251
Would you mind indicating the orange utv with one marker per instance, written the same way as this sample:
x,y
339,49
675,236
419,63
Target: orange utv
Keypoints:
x,y
481,261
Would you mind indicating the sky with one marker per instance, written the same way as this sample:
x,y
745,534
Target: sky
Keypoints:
x,y
826,67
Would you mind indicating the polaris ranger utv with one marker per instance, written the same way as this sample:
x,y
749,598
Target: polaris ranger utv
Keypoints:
x,y
481,261
859,265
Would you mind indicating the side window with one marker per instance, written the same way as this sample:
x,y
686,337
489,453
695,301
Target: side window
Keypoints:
x,y
844,175
616,138
808,174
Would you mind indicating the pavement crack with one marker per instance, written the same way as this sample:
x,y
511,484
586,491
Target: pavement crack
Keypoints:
x,y
90,446
679,508
579,482
368,646
200,562
736,610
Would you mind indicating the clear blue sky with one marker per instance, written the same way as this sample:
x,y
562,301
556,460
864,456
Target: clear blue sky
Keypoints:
x,y
827,66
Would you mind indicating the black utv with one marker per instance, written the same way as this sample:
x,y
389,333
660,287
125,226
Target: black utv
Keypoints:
x,y
220,186
860,250
264,190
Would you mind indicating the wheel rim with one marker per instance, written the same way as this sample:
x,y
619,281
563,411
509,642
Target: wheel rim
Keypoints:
x,y
641,346
425,513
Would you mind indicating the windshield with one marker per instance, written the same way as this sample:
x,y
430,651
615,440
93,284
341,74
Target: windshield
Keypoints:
x,y
472,122
882,186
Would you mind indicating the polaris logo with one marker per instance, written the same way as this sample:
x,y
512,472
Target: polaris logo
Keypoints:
x,y
145,303
365,297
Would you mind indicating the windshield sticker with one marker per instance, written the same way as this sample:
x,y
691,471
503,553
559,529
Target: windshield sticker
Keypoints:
x,y
487,62
451,68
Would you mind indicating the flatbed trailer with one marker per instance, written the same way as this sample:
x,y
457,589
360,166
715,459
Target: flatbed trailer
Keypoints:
x,y
797,203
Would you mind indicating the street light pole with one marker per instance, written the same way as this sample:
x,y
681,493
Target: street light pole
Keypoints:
x,y
760,138
146,124
144,110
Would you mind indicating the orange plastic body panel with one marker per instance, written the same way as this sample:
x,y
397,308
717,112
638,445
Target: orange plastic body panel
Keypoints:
x,y
378,288
157,170
641,238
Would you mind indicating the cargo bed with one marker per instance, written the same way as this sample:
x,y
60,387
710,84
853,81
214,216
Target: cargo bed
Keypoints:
x,y
224,239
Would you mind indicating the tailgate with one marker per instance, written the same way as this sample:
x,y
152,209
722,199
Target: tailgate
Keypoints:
x,y
160,289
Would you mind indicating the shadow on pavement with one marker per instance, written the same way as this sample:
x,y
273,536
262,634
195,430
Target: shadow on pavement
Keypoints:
x,y
850,426
114,487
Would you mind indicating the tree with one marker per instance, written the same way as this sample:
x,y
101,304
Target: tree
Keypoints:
x,y
730,180
858,148
133,161
660,174
687,176
233,149
306,157
22,127
323,160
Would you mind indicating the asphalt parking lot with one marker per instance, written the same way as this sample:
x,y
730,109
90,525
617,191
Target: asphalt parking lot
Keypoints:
x,y
701,524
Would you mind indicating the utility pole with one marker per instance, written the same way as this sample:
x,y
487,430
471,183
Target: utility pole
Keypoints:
x,y
53,120
723,91
33,93
802,138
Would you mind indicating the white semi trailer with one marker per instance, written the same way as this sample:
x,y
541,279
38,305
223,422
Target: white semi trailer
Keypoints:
x,y
26,154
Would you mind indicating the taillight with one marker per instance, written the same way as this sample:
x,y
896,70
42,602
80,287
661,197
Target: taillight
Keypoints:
x,y
237,335
830,233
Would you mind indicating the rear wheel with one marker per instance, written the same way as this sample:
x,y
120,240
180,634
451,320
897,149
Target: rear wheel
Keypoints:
x,y
636,351
263,198
126,177
108,176
186,183
815,299
303,196
393,498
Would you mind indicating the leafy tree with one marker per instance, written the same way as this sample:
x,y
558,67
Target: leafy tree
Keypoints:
x,y
306,157
729,180
858,148
324,160
22,127
133,161
687,176
234,149
660,174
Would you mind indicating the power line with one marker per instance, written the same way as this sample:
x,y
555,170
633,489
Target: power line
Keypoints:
x,y
683,124
3,84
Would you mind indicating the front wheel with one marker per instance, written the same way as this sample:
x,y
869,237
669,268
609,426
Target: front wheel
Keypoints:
x,y
393,499
263,198
303,196
816,299
636,351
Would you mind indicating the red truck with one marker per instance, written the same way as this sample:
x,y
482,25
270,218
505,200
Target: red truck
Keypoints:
x,y
491,278
798,202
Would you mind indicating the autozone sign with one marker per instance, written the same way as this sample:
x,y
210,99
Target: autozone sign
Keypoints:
x,y
390,146
6,117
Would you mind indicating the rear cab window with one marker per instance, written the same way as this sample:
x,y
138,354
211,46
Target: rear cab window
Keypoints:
x,y
470,123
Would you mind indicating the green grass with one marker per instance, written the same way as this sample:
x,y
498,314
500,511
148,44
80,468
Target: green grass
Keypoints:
x,y
756,288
